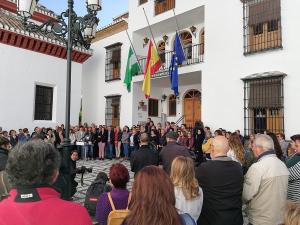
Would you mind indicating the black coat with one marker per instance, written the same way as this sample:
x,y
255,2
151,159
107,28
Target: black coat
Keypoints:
x,y
13,141
94,138
3,158
170,152
145,156
136,140
222,185
102,136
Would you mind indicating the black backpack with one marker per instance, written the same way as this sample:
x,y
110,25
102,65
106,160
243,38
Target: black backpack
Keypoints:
x,y
93,193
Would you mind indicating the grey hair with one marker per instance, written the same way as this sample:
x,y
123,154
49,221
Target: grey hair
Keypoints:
x,y
32,163
264,141
144,138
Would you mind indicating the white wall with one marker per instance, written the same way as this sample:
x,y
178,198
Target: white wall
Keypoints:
x,y
137,18
225,64
156,93
94,87
20,71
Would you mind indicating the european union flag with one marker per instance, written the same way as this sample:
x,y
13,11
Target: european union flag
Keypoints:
x,y
178,58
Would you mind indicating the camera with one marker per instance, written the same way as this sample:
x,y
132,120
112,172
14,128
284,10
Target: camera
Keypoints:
x,y
83,170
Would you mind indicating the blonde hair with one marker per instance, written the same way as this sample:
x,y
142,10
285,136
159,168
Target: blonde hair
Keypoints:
x,y
183,176
292,216
235,144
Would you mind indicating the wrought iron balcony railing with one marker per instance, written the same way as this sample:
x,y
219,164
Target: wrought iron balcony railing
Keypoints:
x,y
194,54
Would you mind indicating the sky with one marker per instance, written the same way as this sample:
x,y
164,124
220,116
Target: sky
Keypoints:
x,y
110,8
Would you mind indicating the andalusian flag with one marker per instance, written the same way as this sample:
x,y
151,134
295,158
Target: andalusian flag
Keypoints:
x,y
132,69
152,66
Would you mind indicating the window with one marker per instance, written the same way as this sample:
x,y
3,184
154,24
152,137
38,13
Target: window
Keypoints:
x,y
172,105
262,25
112,110
43,103
162,6
186,40
258,29
162,51
272,25
113,62
142,1
153,107
263,104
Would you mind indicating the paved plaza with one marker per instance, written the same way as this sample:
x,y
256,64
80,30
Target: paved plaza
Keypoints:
x,y
102,166
88,178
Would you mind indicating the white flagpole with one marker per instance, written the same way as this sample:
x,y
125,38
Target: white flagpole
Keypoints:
x,y
134,51
151,33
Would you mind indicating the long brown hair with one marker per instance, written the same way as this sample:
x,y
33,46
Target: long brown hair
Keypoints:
x,y
235,144
153,199
183,176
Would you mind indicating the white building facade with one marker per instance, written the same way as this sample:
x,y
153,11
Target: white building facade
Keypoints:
x,y
241,70
33,74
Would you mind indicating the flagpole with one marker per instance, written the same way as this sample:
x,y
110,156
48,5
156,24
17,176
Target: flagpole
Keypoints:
x,y
134,50
175,20
151,33
175,17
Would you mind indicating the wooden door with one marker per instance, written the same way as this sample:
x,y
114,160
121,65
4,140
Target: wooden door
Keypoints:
x,y
188,112
197,109
192,107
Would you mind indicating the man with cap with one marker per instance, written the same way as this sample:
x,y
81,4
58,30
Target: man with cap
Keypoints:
x,y
171,151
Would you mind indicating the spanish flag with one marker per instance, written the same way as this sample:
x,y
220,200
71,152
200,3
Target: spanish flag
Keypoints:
x,y
152,66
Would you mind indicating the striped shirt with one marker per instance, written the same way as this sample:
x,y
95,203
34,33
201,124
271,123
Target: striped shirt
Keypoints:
x,y
294,183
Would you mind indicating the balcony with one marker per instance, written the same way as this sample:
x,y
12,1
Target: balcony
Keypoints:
x,y
162,6
194,54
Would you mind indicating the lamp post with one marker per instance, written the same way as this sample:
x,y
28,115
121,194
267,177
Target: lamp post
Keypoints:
x,y
77,31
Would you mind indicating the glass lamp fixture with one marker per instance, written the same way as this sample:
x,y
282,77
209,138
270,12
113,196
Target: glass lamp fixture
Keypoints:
x,y
25,8
94,5
90,31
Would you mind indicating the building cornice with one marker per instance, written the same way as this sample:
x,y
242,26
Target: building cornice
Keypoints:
x,y
40,14
13,33
118,25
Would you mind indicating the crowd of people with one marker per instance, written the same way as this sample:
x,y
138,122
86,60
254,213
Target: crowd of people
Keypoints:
x,y
182,176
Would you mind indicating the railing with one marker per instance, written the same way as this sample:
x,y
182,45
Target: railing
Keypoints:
x,y
193,54
162,6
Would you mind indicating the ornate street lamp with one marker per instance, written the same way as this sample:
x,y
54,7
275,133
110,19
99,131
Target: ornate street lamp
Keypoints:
x,y
75,31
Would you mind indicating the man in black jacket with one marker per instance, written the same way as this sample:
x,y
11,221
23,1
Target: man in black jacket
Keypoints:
x,y
221,180
171,151
144,156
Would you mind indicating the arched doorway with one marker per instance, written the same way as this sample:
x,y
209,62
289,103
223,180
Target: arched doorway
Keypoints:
x,y
192,107
161,51
202,41
187,41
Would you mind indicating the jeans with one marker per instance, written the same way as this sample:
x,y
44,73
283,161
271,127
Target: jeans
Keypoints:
x,y
110,150
88,152
126,149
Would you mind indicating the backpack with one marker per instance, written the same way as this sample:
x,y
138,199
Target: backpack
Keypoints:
x,y
117,216
93,193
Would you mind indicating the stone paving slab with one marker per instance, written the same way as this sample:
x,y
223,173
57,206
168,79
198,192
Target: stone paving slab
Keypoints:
x,y
101,166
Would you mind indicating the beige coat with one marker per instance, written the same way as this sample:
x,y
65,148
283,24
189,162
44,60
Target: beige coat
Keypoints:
x,y
265,191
